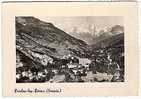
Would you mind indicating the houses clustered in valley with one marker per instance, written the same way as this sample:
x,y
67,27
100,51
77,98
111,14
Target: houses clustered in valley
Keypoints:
x,y
101,67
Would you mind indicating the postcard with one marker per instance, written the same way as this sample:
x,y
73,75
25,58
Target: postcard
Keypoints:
x,y
70,48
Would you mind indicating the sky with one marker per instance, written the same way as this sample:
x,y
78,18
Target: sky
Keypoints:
x,y
82,23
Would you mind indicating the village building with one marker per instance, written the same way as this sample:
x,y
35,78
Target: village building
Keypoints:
x,y
84,61
42,57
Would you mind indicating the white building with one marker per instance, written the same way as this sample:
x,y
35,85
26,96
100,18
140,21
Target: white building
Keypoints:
x,y
84,61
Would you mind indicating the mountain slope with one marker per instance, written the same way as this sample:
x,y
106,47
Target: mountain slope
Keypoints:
x,y
112,41
37,33
38,40
85,36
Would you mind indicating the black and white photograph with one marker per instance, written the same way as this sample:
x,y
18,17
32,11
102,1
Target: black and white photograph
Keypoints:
x,y
69,49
